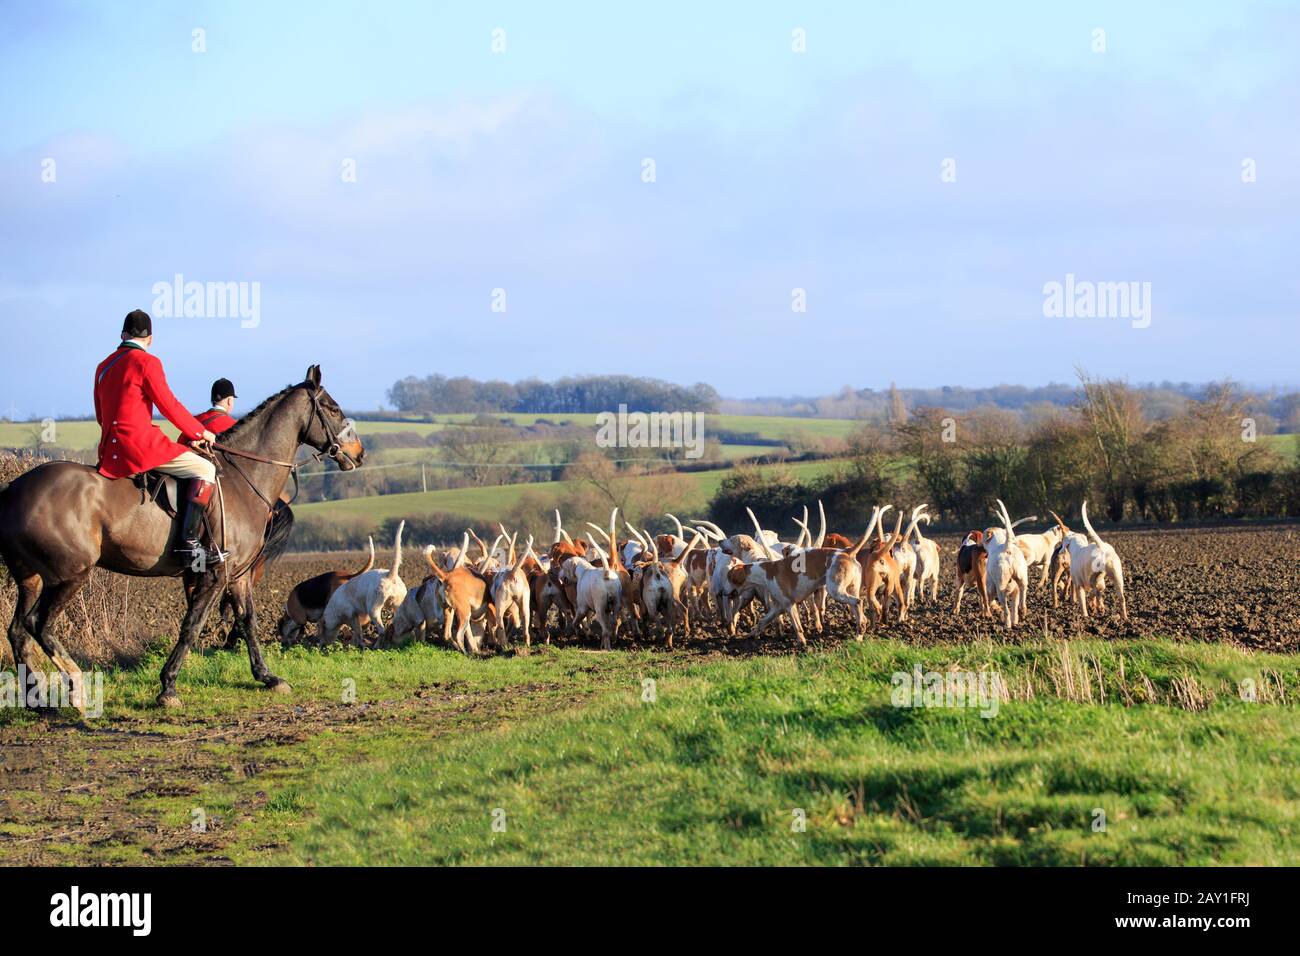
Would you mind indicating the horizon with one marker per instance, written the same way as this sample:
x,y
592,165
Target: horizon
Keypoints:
x,y
1181,387
950,195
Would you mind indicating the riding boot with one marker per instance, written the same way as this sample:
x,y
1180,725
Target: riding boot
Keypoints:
x,y
196,503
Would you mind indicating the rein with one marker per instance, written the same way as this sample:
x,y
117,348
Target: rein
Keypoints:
x,y
333,451
250,455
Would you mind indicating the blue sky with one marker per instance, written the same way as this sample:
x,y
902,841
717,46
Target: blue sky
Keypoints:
x,y
775,170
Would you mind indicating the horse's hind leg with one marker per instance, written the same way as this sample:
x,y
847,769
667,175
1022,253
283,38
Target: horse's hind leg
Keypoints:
x,y
29,590
204,595
52,600
229,603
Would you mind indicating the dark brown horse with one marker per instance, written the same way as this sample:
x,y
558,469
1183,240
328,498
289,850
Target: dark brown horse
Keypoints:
x,y
60,520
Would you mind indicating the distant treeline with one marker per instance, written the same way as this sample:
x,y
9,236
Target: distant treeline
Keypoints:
x,y
1273,410
1206,463
438,394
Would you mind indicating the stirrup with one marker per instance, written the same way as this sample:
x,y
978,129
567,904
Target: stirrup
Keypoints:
x,y
210,556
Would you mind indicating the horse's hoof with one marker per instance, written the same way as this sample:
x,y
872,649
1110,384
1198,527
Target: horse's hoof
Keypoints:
x,y
169,701
280,687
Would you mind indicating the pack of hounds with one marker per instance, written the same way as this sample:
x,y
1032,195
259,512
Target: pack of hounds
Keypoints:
x,y
482,597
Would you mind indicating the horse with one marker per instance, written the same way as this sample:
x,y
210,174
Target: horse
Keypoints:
x,y
62,519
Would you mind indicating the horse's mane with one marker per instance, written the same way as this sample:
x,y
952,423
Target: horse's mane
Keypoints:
x,y
236,429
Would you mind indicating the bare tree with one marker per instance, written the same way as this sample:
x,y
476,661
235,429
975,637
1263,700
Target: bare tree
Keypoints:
x,y
1114,417
483,451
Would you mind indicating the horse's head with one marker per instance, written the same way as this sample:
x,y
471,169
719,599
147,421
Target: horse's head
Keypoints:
x,y
328,430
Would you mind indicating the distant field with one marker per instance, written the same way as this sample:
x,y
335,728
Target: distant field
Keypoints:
x,y
1284,444
768,427
82,435
536,452
77,435
488,503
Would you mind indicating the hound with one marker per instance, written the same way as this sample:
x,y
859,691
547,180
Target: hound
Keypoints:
x,y
770,541
881,571
1007,575
659,585
791,579
972,564
671,545
927,559
699,564
832,539
465,601
422,607
365,597
628,604
737,545
512,596
1092,564
1059,565
905,555
489,558
1038,549
306,602
598,591
548,592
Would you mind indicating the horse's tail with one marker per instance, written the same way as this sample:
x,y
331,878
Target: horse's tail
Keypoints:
x,y
277,535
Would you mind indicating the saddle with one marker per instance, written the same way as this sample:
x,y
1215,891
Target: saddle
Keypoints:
x,y
162,489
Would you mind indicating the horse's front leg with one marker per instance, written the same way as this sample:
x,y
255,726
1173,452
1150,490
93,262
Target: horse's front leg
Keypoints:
x,y
246,626
207,589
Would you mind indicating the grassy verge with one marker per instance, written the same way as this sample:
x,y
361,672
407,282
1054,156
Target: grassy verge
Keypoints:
x,y
731,754
760,760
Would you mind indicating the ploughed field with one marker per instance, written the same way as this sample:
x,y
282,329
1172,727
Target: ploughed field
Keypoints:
x,y
1239,585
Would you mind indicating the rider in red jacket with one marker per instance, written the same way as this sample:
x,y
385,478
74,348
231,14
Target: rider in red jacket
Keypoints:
x,y
129,384
217,418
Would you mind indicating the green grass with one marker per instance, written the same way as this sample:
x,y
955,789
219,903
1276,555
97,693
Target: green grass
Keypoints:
x,y
714,771
76,435
488,504
731,752
1287,446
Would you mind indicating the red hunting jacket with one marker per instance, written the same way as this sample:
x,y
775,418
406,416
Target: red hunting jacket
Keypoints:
x,y
214,420
129,384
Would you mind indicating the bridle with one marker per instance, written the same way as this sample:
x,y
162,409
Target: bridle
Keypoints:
x,y
348,433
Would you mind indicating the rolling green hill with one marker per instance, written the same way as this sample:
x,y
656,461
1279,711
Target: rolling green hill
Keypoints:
x,y
488,504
